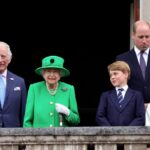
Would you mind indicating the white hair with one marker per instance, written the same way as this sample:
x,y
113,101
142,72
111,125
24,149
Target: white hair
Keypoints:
x,y
7,48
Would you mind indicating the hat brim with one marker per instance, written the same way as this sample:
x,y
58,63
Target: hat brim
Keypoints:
x,y
64,71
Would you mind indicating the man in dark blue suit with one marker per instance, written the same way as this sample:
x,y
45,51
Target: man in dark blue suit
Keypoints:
x,y
12,106
141,39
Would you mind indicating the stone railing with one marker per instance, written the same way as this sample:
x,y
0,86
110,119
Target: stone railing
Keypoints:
x,y
75,138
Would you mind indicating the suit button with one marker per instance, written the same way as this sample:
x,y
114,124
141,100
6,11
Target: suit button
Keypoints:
x,y
51,103
51,114
51,125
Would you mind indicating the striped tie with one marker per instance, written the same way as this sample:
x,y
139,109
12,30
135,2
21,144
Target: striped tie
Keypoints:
x,y
120,96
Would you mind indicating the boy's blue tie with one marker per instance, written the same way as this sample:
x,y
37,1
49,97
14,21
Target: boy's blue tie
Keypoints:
x,y
2,91
120,96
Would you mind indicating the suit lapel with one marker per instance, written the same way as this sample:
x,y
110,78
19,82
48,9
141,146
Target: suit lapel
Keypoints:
x,y
9,86
114,99
127,98
61,89
147,74
136,66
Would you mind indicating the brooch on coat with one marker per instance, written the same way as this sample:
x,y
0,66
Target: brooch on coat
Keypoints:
x,y
64,89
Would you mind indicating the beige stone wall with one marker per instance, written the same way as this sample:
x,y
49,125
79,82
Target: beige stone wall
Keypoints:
x,y
75,138
145,10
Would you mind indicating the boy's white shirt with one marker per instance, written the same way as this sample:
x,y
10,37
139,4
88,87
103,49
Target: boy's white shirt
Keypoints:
x,y
147,116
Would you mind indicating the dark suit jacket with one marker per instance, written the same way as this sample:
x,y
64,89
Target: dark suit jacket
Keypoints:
x,y
12,113
137,81
131,113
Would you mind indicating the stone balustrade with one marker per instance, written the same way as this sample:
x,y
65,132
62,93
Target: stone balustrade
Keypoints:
x,y
75,138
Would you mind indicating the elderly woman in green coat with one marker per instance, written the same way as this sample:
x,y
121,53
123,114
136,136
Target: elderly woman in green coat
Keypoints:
x,y
51,103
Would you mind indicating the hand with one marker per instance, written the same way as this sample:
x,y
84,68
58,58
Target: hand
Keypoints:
x,y
62,109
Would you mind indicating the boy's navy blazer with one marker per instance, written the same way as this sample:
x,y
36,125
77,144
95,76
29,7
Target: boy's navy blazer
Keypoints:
x,y
132,112
137,81
12,113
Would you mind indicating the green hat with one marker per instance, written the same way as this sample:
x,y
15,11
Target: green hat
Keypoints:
x,y
53,62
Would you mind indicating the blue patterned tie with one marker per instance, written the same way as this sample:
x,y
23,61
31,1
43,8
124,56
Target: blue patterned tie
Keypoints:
x,y
142,64
120,96
2,91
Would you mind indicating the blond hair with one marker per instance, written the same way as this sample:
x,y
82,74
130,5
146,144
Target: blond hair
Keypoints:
x,y
121,66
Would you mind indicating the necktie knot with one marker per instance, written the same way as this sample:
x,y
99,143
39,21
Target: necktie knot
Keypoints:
x,y
120,89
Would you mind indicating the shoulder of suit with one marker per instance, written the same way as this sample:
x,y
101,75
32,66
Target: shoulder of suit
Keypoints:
x,y
65,84
125,53
14,76
108,92
134,91
40,83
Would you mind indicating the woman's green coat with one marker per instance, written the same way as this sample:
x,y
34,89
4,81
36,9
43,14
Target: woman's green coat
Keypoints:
x,y
40,108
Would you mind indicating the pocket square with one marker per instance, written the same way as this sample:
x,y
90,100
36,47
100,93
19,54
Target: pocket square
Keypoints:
x,y
17,88
11,78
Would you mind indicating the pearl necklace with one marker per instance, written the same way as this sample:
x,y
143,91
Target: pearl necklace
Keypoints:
x,y
52,92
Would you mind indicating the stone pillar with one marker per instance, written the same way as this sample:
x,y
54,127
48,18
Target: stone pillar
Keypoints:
x,y
145,10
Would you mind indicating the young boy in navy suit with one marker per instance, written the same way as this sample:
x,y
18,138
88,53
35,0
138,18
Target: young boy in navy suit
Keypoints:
x,y
125,110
